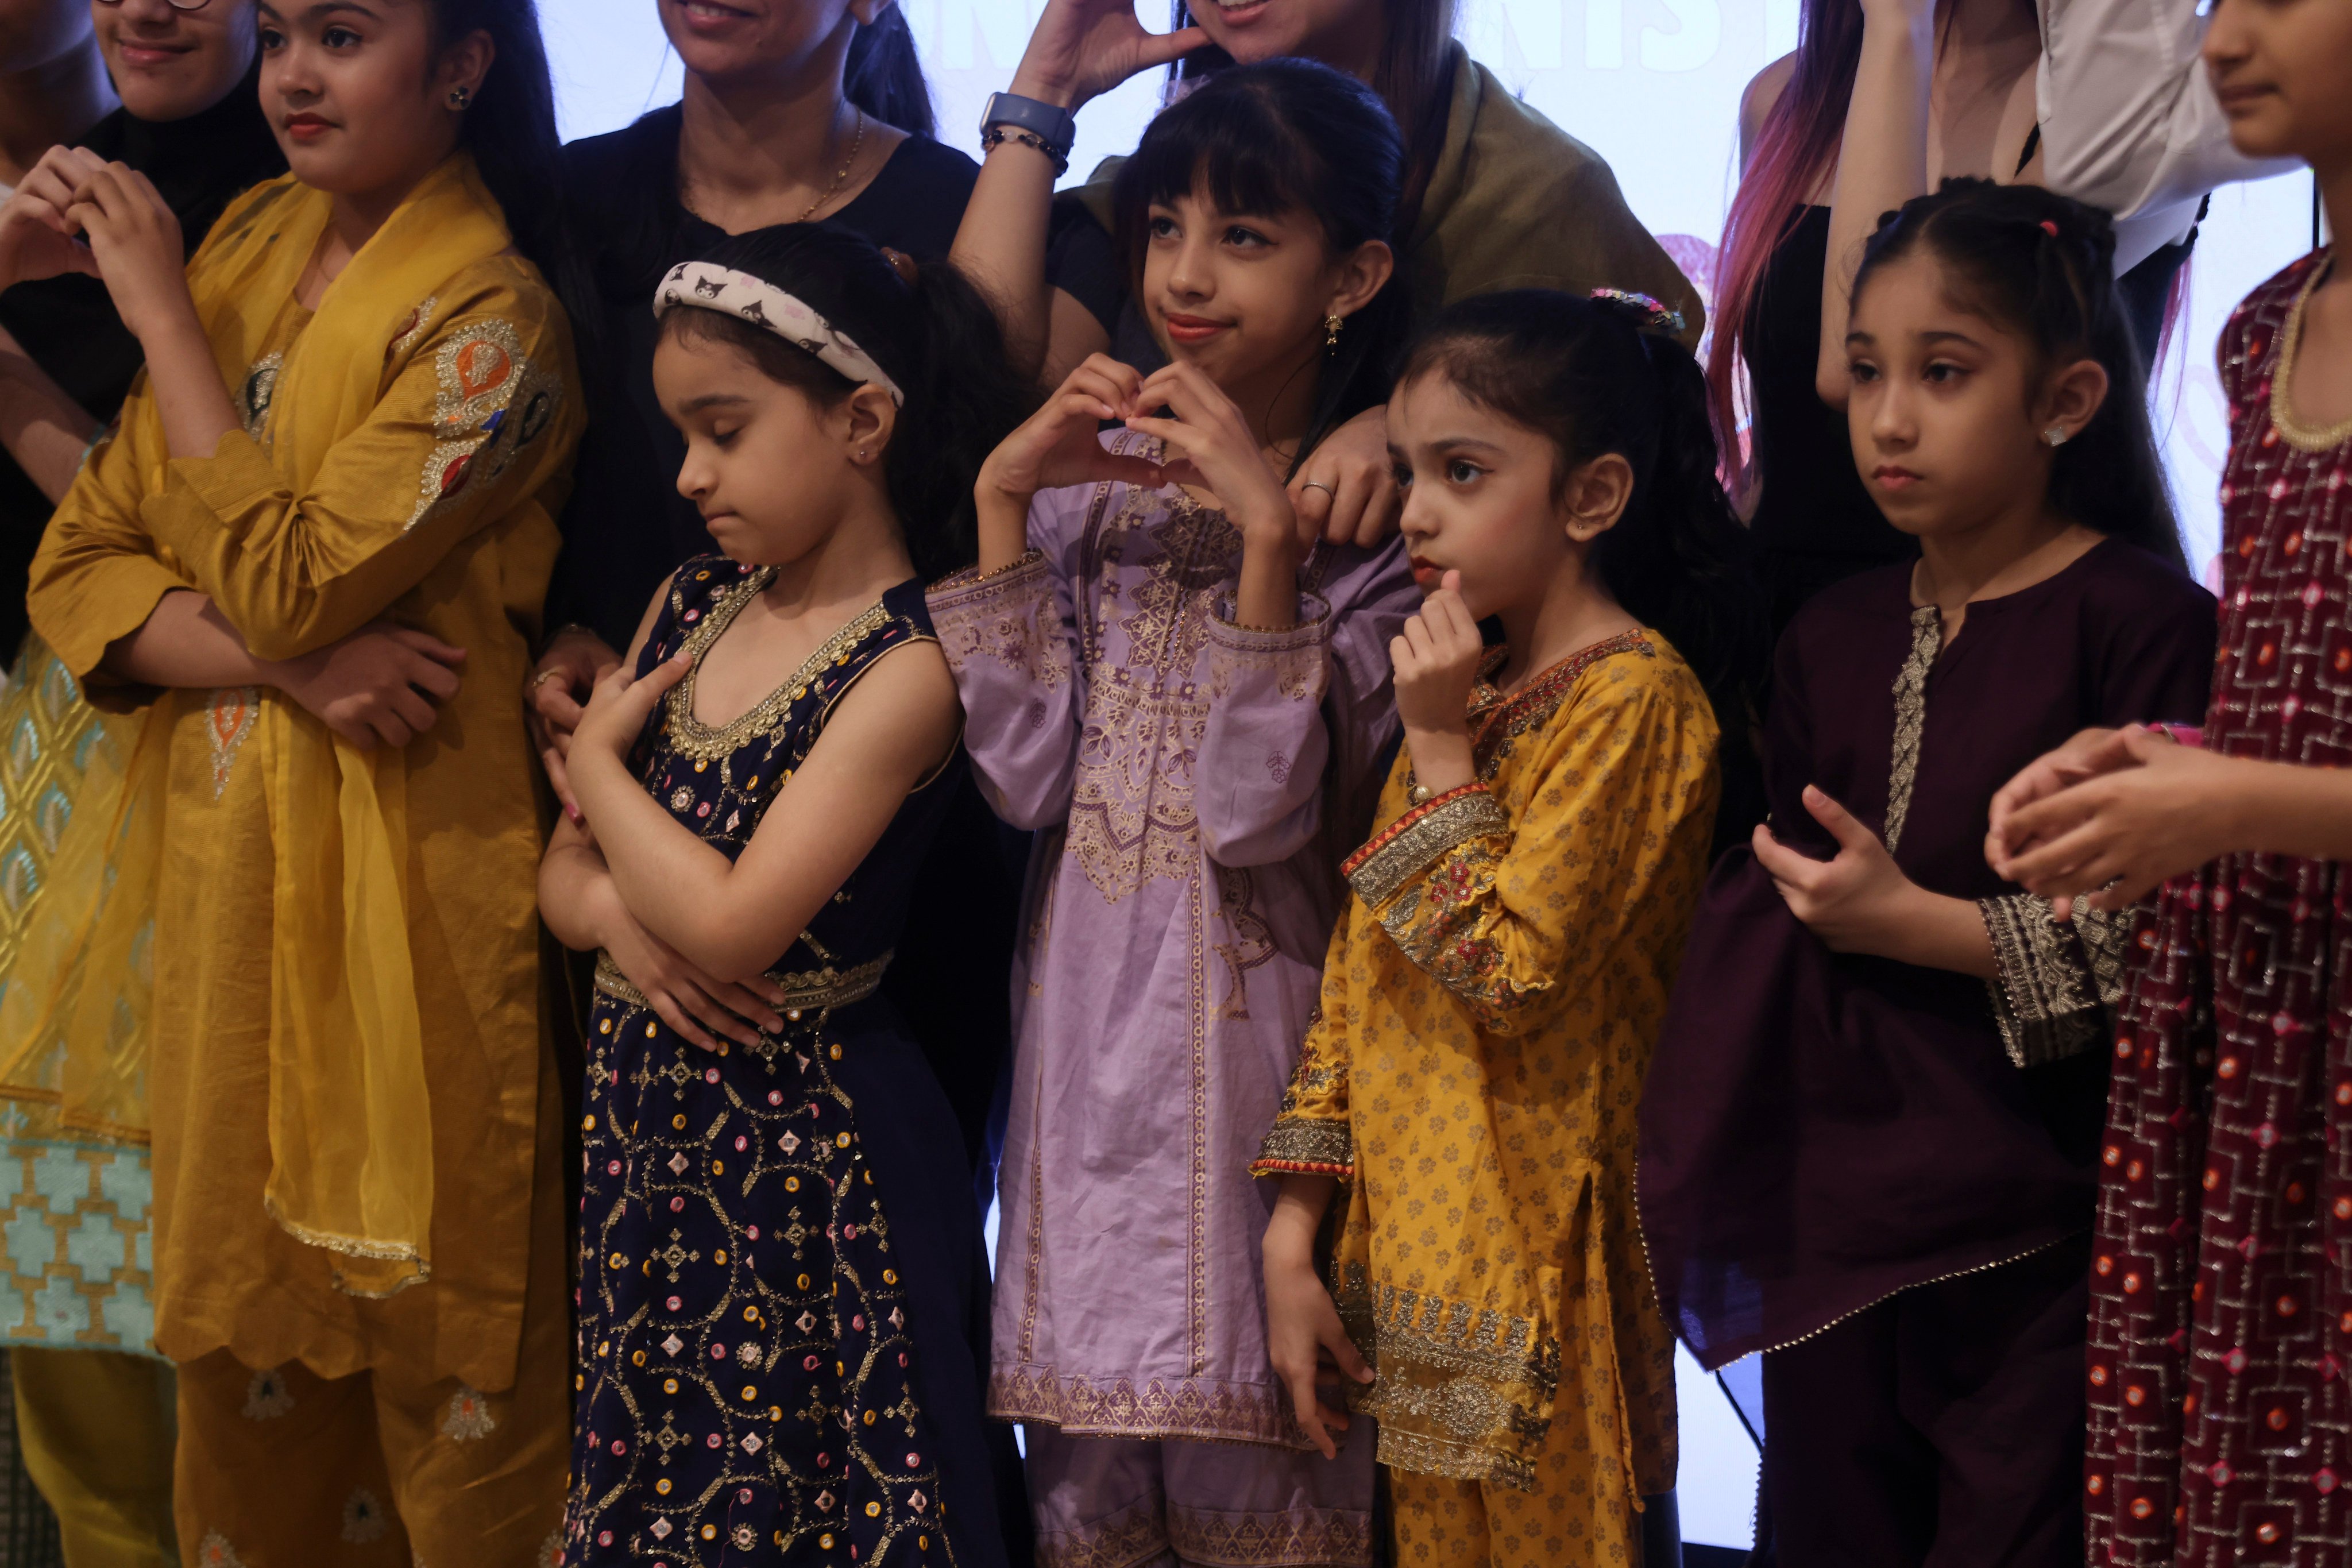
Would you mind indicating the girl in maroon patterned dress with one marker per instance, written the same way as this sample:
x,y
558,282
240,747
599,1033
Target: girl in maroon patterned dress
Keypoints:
x,y
2221,1290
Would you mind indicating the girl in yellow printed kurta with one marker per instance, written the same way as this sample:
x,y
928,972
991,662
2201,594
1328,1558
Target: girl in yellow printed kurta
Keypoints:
x,y
1492,992
311,562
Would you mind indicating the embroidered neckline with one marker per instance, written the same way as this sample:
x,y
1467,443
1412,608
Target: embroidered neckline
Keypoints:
x,y
2301,437
1911,717
688,735
1543,689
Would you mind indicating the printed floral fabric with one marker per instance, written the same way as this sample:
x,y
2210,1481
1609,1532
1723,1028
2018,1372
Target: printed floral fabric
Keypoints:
x,y
1487,1012
2221,1284
1195,783
748,1370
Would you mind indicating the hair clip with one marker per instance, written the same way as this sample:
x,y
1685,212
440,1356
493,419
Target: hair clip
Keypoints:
x,y
1655,317
2050,227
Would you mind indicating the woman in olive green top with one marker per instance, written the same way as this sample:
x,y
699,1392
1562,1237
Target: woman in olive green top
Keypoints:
x,y
1497,195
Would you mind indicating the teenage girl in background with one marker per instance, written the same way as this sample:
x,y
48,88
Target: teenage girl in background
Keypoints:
x,y
312,557
1869,1139
783,1286
1490,999
1170,677
2220,1301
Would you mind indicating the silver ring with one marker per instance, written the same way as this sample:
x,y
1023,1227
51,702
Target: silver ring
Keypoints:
x,y
1320,485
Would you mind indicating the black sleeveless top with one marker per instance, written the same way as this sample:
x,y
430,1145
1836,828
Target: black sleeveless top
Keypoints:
x,y
1815,523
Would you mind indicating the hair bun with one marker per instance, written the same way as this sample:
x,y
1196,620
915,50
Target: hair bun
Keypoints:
x,y
1644,313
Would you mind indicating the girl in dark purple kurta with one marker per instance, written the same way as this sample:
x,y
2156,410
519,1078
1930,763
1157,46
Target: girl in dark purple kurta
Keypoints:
x,y
1870,1131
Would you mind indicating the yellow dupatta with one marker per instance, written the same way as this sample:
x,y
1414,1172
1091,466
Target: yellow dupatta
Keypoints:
x,y
350,1113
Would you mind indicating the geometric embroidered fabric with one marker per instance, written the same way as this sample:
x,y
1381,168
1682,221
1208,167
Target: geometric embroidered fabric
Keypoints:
x,y
2222,1287
747,1372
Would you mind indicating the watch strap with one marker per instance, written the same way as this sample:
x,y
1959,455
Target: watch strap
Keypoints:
x,y
1050,124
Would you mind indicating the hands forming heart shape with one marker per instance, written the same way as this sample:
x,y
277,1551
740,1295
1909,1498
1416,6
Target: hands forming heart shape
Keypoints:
x,y
1206,442
77,212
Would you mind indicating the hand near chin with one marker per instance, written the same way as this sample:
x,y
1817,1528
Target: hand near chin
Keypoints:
x,y
1061,444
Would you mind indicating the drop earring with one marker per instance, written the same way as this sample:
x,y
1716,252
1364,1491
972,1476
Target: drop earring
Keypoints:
x,y
2057,435
1331,324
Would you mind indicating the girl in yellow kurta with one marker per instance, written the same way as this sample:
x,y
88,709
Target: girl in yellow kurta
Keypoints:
x,y
1493,991
311,562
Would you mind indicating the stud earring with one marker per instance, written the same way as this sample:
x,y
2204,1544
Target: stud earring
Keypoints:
x,y
459,97
2057,435
1331,324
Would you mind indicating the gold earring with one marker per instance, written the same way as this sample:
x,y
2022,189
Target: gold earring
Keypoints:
x,y
1331,324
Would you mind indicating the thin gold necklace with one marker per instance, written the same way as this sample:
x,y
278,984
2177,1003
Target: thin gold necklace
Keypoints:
x,y
856,144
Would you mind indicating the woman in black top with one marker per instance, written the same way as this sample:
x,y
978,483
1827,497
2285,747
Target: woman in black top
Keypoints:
x,y
191,122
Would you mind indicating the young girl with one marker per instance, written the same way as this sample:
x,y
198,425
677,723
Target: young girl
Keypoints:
x,y
323,526
780,1259
2219,1298
1489,1001
1869,1138
1162,672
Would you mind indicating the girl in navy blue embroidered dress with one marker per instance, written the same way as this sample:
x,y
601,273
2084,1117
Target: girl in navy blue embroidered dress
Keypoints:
x,y
782,1304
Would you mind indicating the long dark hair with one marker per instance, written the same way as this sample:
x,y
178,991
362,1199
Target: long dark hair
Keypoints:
x,y
1412,76
1599,375
1279,137
885,77
509,128
936,337
2043,265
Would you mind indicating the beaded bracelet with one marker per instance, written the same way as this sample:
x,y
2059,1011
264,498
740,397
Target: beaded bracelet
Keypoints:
x,y
996,136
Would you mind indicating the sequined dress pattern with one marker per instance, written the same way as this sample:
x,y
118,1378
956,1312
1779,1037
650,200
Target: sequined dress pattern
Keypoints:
x,y
2221,1274
748,1385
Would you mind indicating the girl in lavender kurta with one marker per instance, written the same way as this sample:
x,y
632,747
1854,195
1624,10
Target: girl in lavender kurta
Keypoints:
x,y
1183,696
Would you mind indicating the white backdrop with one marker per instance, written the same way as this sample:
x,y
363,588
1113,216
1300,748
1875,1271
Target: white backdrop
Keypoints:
x,y
1654,86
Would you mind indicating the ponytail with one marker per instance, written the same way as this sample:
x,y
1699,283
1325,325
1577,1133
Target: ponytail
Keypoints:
x,y
2043,265
1605,375
932,333
510,129
884,78
962,401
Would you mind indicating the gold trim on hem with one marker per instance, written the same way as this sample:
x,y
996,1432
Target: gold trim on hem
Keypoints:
x,y
821,989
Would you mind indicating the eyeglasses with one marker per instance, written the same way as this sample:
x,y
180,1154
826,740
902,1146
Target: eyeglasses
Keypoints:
x,y
175,5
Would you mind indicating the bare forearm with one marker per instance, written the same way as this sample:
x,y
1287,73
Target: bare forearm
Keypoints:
x,y
575,889
1003,527
1001,245
187,387
1267,599
1882,163
1936,931
1442,759
1298,1211
45,430
2280,808
672,883
187,642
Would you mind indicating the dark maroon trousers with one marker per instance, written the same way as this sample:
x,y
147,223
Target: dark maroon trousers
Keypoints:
x,y
1940,1428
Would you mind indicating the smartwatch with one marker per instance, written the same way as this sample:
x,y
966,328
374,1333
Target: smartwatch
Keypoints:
x,y
1056,127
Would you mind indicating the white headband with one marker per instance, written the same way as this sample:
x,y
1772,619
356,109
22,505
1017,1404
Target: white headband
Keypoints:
x,y
706,286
